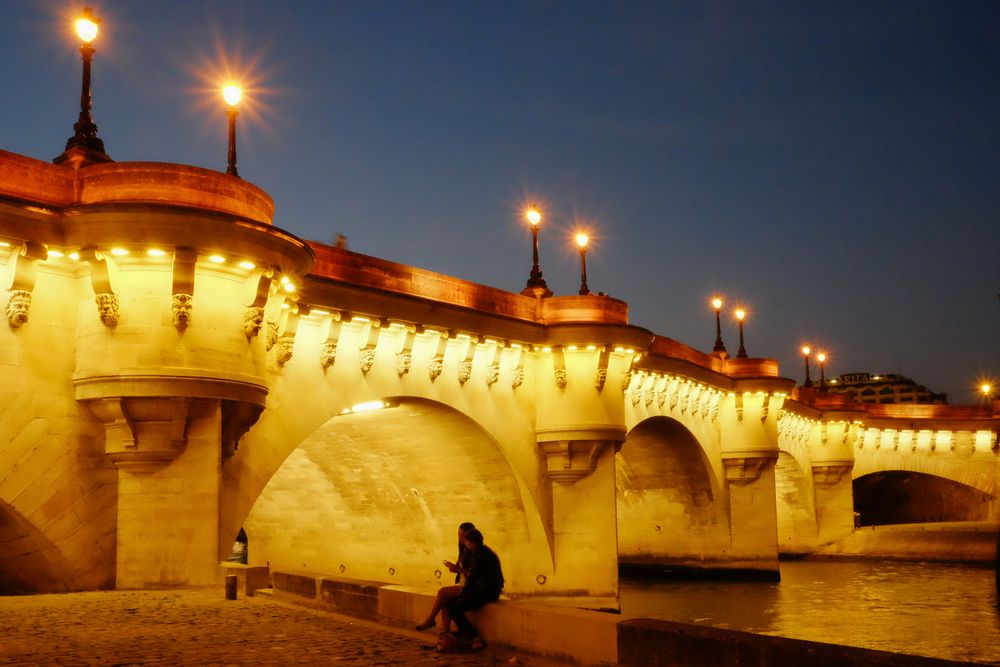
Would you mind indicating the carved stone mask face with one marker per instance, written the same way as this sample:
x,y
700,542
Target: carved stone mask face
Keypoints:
x,y
17,308
107,308
182,309
252,321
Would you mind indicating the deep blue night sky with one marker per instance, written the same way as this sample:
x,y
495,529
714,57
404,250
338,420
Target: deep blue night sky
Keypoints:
x,y
834,167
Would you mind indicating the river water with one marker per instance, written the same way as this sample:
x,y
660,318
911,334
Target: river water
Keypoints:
x,y
933,609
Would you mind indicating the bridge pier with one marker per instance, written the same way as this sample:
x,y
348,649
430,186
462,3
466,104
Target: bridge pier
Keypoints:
x,y
749,441
168,532
584,519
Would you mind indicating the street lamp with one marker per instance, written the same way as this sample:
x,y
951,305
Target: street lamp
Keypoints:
x,y
805,353
740,316
719,348
581,241
84,130
986,390
821,358
232,94
536,284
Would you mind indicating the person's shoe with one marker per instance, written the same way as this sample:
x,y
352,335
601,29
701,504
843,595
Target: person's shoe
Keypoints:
x,y
427,625
478,644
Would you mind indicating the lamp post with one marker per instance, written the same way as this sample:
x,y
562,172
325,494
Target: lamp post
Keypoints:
x,y
986,391
84,130
232,96
719,349
821,358
581,242
805,353
536,284
740,316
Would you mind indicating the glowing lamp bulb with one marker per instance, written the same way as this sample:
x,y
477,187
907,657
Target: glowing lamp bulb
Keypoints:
x,y
806,350
582,239
533,217
86,26
820,357
986,389
232,95
740,314
717,303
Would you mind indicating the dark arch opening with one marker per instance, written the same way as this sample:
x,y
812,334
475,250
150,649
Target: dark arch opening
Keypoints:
x,y
898,496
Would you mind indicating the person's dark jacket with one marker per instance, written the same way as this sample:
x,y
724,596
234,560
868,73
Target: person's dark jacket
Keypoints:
x,y
485,580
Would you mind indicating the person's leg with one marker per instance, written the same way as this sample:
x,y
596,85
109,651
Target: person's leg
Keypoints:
x,y
456,610
444,595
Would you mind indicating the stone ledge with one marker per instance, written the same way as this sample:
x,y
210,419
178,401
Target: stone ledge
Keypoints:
x,y
250,579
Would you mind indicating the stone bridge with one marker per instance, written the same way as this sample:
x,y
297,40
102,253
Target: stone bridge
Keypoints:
x,y
175,368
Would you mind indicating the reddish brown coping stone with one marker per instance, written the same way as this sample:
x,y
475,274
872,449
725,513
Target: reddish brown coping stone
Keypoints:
x,y
131,182
363,270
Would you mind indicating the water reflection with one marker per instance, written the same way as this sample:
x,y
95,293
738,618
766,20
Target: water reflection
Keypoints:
x,y
940,610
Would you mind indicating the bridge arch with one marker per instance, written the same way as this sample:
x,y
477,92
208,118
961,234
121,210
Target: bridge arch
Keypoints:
x,y
796,505
671,505
905,496
29,561
378,494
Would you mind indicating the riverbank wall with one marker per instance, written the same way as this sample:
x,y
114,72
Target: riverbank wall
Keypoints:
x,y
959,542
573,636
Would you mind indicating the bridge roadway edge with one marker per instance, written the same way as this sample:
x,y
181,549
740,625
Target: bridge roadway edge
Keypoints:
x,y
578,636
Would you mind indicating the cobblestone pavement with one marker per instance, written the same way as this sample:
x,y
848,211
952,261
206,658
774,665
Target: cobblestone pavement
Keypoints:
x,y
201,627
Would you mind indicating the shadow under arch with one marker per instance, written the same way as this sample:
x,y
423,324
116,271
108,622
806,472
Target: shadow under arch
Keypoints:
x,y
379,495
671,509
29,561
795,504
902,496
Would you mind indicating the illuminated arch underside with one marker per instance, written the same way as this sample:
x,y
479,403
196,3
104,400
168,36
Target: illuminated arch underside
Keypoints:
x,y
668,508
381,493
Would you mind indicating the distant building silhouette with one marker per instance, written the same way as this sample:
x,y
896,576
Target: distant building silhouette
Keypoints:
x,y
883,388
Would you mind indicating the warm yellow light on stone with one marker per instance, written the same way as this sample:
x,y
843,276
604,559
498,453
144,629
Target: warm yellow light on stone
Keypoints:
x,y
533,216
591,347
571,348
319,312
156,252
218,259
232,94
75,256
119,252
86,27
546,349
368,406
247,265
4,244
55,254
